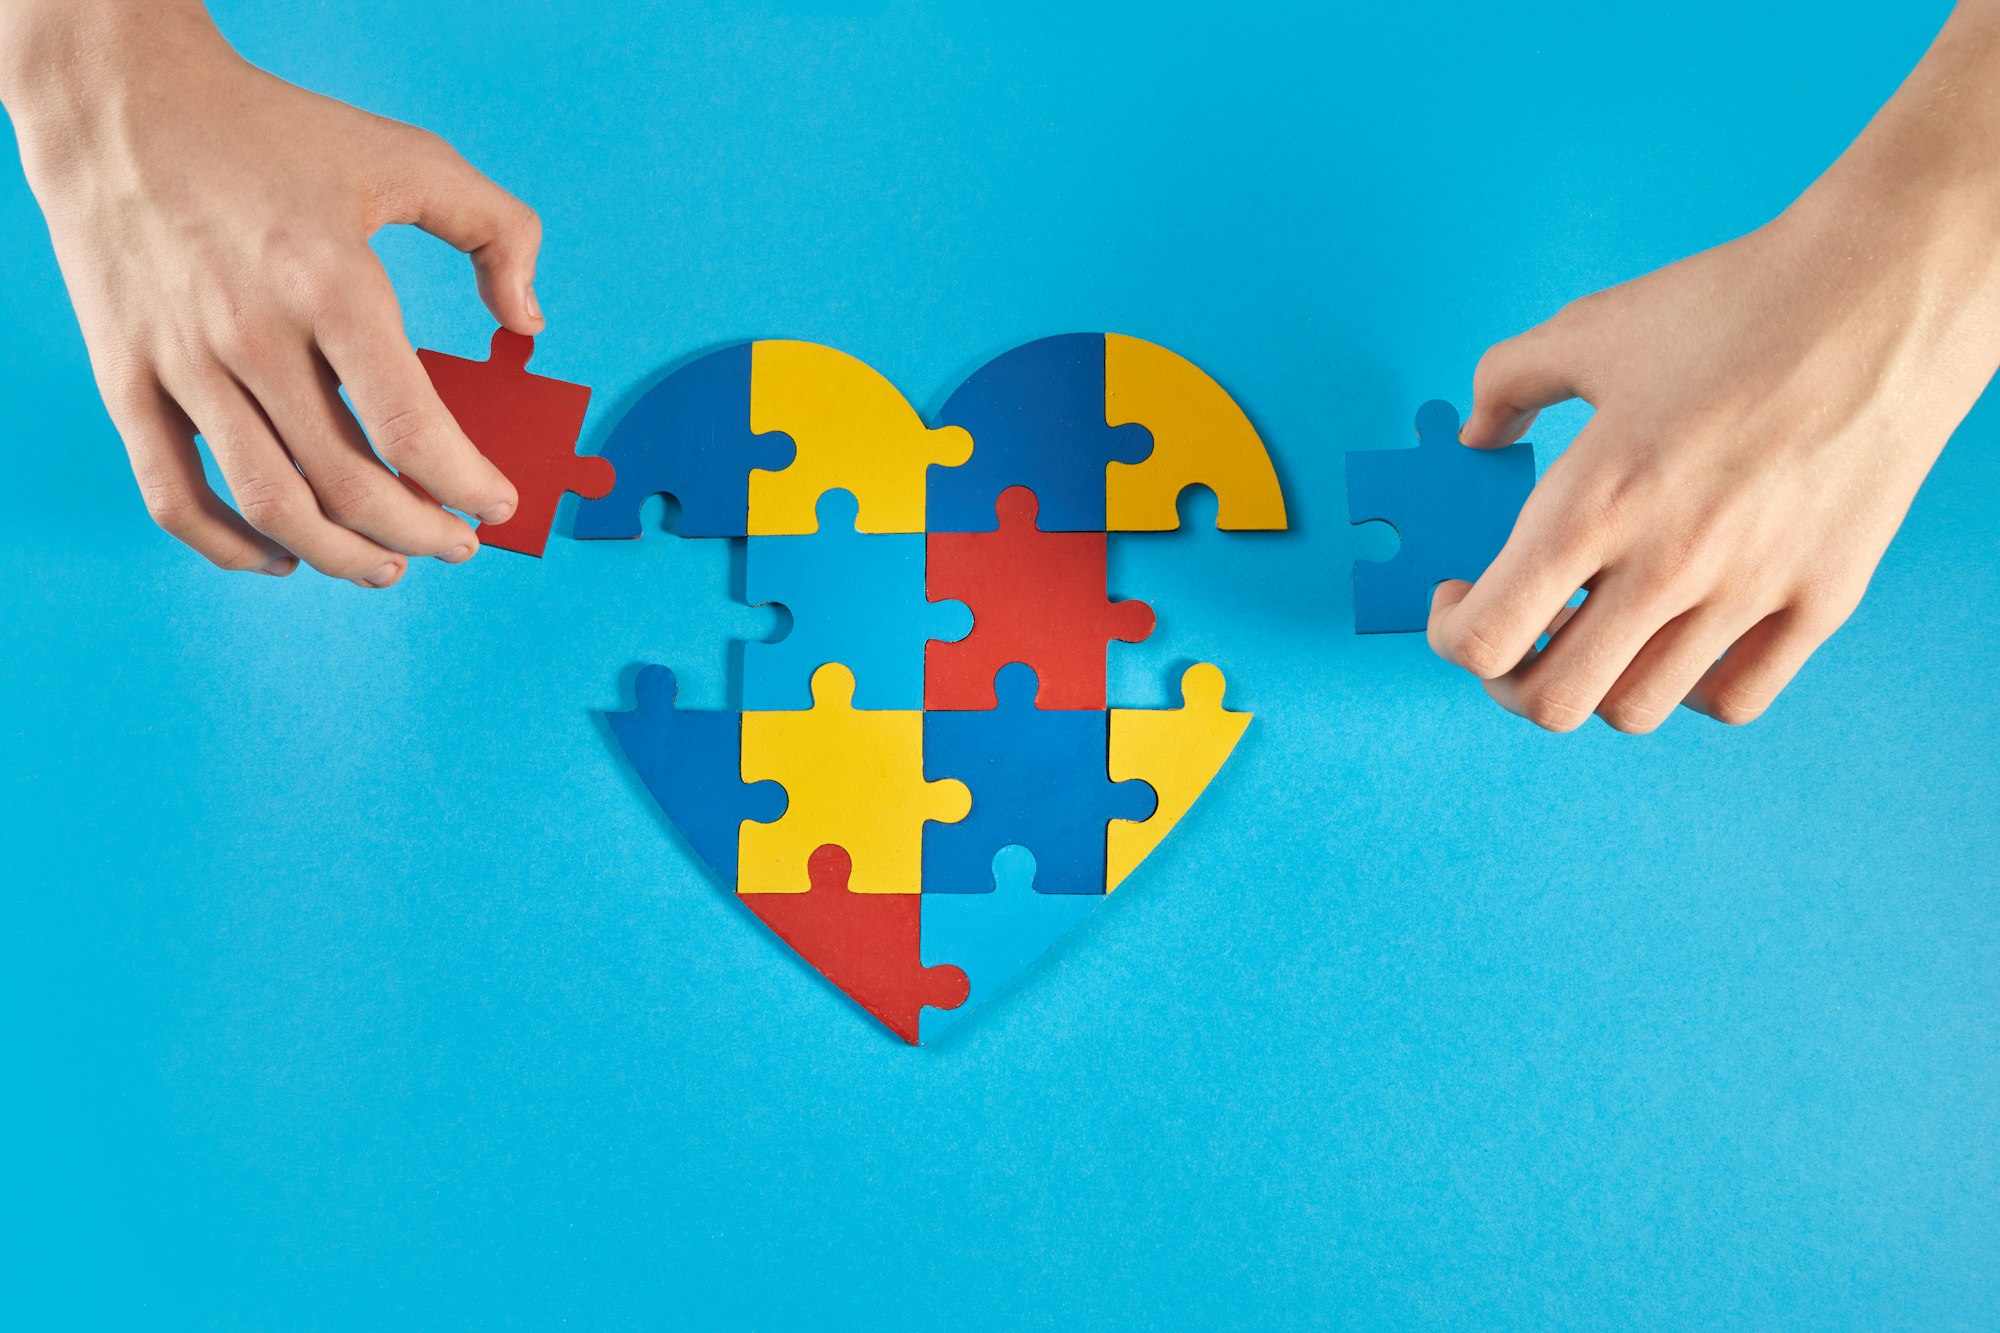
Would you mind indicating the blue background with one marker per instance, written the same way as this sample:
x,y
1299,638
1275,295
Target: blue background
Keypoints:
x,y
349,974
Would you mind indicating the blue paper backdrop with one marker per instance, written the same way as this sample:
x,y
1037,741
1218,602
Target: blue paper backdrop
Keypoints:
x,y
350,977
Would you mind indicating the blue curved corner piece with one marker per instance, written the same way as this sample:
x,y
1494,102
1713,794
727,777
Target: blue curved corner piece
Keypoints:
x,y
1452,507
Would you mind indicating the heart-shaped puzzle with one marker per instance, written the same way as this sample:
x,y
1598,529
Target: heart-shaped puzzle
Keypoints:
x,y
926,788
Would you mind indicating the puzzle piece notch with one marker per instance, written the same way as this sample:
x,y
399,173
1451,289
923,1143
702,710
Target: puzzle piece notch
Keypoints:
x,y
691,761
1176,751
854,431
1201,437
855,777
1037,598
995,936
855,598
527,426
869,945
1038,778
689,436
1452,508
1036,414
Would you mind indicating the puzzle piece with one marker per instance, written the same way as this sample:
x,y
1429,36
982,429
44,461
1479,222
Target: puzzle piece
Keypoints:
x,y
867,944
527,426
855,432
1452,507
855,598
995,936
689,436
1036,597
855,777
1177,752
1037,420
692,762
1038,780
1200,438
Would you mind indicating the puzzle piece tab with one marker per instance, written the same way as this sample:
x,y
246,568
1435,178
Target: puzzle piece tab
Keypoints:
x,y
692,762
1038,780
867,944
855,598
995,936
1036,597
527,425
689,436
855,432
855,778
1036,415
1452,507
1177,752
1200,438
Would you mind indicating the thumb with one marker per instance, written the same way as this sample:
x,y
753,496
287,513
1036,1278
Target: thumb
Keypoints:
x,y
453,201
1515,380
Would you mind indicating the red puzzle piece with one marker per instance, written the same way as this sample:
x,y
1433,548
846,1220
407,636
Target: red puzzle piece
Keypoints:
x,y
868,944
1036,597
528,426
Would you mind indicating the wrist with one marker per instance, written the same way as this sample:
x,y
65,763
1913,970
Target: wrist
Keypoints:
x,y
68,66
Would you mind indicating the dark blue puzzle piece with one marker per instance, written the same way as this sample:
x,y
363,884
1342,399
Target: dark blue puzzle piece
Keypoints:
x,y
1452,507
692,762
856,598
1039,779
995,936
1036,415
689,437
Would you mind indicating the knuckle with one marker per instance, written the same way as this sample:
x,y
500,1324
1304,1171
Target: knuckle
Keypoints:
x,y
1551,712
1474,647
351,499
271,504
407,437
1634,717
170,504
1738,706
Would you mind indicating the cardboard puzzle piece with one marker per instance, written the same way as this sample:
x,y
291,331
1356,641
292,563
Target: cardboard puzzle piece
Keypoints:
x,y
689,436
856,598
1175,751
855,778
1038,780
855,432
527,425
995,936
1036,597
692,762
867,944
1200,438
1452,507
1036,415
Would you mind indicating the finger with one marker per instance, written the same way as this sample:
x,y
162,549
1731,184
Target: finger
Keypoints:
x,y
453,201
412,430
1758,667
269,492
1515,380
159,440
301,399
1670,665
1560,687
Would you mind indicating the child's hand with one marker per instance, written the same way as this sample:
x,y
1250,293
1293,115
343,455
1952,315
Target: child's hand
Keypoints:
x,y
212,223
1765,414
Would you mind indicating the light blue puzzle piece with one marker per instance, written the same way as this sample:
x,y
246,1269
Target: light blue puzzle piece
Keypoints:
x,y
1452,507
994,937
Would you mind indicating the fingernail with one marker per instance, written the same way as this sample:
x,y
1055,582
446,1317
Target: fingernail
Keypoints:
x,y
456,554
382,577
279,565
499,513
534,305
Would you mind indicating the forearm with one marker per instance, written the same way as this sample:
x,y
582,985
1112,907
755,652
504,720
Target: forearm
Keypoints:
x,y
61,58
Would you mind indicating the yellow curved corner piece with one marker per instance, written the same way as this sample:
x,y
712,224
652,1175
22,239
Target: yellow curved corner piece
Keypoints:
x,y
854,431
1179,751
855,778
1200,437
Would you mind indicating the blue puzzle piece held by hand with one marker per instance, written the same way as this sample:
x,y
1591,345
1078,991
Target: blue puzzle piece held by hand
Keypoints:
x,y
1039,779
689,437
1036,416
856,598
994,936
692,762
1452,507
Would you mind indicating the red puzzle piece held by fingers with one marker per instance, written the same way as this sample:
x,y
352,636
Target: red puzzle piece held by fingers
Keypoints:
x,y
868,944
527,425
1036,597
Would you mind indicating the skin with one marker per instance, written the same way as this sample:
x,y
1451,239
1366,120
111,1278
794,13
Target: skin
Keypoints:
x,y
1765,411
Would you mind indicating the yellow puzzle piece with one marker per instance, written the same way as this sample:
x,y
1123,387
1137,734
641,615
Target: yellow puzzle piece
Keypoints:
x,y
855,779
854,431
1178,750
1200,437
